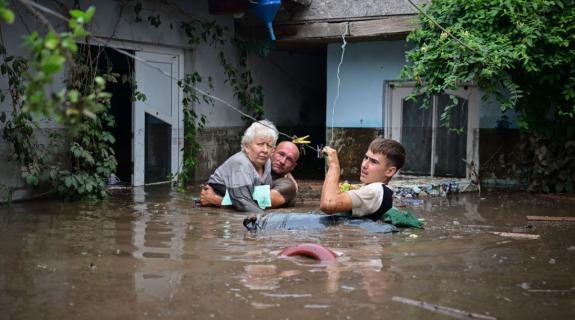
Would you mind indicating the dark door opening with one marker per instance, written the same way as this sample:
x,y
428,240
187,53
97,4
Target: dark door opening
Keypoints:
x,y
110,61
313,84
158,155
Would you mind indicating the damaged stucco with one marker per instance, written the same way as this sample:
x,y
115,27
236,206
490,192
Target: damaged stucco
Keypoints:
x,y
347,10
351,145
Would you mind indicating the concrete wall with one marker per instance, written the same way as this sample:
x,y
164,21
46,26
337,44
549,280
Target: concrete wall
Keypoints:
x,y
351,144
365,68
346,9
12,186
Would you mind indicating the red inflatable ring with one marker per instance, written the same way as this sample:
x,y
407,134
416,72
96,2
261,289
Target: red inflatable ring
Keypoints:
x,y
312,250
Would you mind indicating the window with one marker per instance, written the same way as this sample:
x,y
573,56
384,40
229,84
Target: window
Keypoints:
x,y
432,149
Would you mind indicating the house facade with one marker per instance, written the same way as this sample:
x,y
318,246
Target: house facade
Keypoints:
x,y
146,42
333,73
365,52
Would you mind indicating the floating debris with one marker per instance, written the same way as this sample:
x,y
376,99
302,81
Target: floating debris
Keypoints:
x,y
411,202
517,235
287,295
316,306
456,313
259,305
551,290
549,218
525,286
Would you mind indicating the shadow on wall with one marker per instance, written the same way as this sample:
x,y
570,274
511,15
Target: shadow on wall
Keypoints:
x,y
309,165
218,144
351,144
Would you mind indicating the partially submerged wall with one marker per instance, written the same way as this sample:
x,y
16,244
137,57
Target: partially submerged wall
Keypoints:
x,y
499,150
217,145
351,145
12,185
293,83
357,116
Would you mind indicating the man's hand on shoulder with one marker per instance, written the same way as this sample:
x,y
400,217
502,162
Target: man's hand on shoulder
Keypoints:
x,y
289,176
208,197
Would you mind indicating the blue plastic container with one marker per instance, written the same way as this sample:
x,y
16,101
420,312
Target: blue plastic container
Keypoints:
x,y
266,10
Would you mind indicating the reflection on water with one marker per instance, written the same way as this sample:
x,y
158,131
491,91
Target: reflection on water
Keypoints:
x,y
149,253
157,238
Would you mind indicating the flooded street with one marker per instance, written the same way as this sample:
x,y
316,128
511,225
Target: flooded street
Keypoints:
x,y
150,254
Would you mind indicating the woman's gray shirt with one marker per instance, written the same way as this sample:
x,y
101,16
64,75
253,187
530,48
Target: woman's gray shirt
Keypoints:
x,y
240,177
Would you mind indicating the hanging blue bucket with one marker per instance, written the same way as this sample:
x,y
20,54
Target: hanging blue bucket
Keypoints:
x,y
266,10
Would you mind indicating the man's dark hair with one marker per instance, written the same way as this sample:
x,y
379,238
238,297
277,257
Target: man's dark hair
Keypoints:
x,y
287,189
391,149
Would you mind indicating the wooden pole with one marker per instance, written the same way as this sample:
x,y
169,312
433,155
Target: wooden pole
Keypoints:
x,y
549,218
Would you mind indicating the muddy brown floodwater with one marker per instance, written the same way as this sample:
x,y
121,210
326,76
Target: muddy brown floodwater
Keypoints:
x,y
150,254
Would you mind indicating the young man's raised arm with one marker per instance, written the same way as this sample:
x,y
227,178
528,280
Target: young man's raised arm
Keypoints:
x,y
332,199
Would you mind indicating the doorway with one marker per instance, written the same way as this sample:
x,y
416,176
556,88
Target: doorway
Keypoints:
x,y
157,119
148,132
110,61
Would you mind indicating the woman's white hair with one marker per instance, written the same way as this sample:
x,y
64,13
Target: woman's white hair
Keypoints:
x,y
262,128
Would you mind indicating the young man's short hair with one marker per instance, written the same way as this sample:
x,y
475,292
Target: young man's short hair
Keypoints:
x,y
391,149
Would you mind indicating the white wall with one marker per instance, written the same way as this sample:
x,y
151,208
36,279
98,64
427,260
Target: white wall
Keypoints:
x,y
284,77
365,68
281,74
280,92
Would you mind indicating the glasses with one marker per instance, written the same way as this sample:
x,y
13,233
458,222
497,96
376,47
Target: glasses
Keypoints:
x,y
287,158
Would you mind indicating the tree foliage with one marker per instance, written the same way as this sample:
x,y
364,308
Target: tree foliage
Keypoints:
x,y
81,105
5,13
520,51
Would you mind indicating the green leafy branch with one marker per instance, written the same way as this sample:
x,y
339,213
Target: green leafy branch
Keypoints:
x,y
521,53
6,14
19,127
248,94
49,55
194,122
79,105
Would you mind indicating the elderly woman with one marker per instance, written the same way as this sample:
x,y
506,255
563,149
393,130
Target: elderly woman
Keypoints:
x,y
251,167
